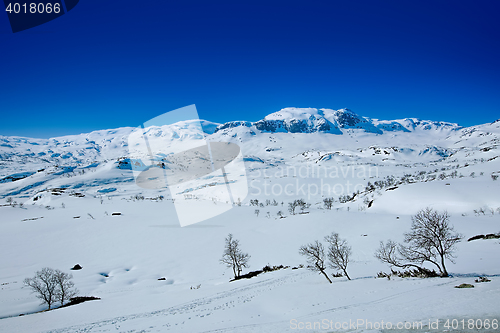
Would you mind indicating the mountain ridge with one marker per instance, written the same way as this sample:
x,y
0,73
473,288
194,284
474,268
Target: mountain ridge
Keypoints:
x,y
311,120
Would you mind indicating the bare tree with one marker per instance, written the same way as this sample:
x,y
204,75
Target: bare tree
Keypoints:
x,y
51,286
65,287
315,256
328,203
297,203
291,207
233,256
44,285
338,253
431,239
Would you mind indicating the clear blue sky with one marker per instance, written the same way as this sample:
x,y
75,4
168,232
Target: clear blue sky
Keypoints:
x,y
109,64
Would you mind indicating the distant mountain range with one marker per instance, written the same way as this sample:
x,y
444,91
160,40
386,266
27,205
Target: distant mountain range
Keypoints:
x,y
289,137
311,120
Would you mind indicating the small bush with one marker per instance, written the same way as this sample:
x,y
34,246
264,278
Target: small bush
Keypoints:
x,y
80,299
492,236
381,275
269,268
418,273
248,275
475,237
465,285
482,279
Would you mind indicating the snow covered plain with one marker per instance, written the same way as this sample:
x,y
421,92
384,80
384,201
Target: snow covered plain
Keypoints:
x,y
70,187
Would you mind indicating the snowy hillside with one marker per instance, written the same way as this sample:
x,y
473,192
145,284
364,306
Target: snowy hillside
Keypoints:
x,y
79,200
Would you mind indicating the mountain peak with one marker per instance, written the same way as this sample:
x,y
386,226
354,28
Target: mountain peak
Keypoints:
x,y
293,113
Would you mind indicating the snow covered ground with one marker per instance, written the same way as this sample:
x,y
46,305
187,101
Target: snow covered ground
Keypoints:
x,y
136,249
153,275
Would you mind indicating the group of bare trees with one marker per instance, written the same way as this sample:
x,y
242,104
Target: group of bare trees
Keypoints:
x,y
431,239
51,286
337,255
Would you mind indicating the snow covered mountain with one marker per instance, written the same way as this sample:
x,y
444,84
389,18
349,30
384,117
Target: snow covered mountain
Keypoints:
x,y
311,120
283,138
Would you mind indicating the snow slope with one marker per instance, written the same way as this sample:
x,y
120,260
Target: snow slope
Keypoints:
x,y
136,249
